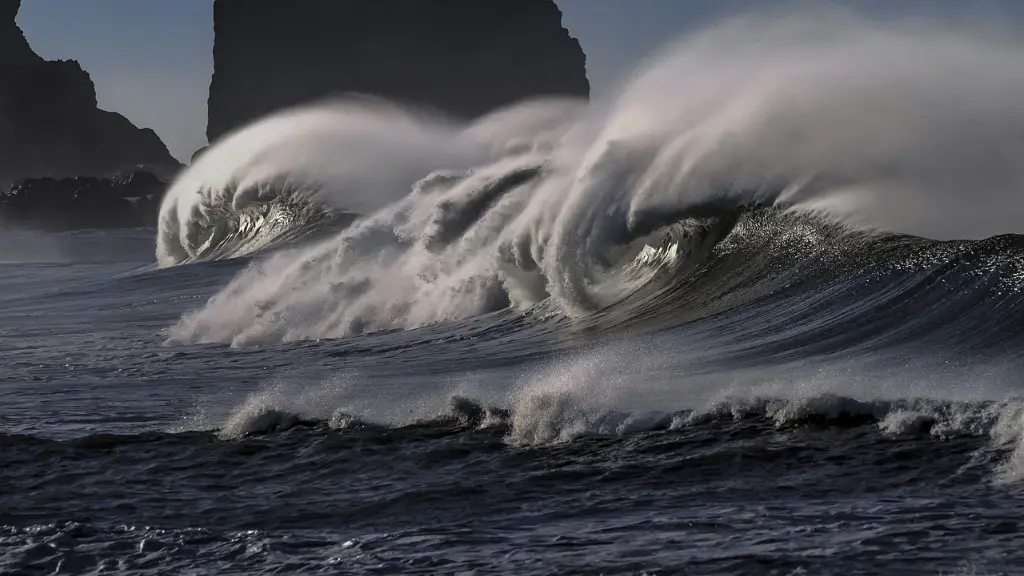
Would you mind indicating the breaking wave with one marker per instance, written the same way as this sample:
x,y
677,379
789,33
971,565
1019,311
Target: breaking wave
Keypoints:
x,y
794,159
545,417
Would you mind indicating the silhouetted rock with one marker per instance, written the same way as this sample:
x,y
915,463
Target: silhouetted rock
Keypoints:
x,y
464,57
125,200
49,121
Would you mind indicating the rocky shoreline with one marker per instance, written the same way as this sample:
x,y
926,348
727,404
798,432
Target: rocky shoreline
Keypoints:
x,y
125,200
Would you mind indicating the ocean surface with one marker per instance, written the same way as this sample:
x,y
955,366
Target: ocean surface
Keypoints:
x,y
760,313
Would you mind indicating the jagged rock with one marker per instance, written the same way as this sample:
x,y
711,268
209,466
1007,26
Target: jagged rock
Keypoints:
x,y
463,57
125,200
49,121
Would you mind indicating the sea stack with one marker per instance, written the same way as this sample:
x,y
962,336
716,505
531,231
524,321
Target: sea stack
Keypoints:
x,y
462,57
50,124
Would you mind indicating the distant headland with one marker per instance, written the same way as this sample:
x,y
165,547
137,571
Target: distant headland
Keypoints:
x,y
460,57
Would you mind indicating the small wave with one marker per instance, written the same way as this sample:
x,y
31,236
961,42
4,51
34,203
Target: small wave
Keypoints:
x,y
542,419
541,415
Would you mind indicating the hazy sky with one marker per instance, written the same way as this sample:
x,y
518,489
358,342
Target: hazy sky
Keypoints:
x,y
152,59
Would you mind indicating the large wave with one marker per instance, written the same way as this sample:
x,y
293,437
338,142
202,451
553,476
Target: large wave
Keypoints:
x,y
816,135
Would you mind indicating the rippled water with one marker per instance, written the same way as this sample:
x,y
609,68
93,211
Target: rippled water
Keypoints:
x,y
508,443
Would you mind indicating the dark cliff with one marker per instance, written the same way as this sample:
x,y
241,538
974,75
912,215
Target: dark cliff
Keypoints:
x,y
464,57
49,121
125,200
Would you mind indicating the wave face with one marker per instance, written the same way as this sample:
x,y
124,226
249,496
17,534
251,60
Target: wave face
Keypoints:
x,y
756,159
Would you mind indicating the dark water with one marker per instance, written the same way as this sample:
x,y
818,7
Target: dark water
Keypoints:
x,y
766,407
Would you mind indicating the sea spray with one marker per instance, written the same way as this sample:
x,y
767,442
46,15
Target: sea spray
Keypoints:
x,y
896,127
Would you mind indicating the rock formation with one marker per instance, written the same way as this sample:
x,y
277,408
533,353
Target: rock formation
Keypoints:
x,y
49,121
126,200
464,57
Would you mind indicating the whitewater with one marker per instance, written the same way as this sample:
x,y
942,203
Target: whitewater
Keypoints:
x,y
756,311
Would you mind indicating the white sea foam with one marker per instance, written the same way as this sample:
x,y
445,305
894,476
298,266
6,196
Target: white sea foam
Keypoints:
x,y
898,126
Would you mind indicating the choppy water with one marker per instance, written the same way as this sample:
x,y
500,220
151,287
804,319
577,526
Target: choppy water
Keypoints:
x,y
758,314
378,454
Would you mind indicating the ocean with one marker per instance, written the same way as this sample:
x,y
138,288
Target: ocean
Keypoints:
x,y
759,313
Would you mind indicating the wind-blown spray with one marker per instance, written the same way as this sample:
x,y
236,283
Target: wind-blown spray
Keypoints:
x,y
888,127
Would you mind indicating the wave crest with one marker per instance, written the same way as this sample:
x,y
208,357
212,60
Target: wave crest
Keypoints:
x,y
877,126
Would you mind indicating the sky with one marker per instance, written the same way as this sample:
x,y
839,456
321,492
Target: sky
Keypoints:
x,y
151,60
